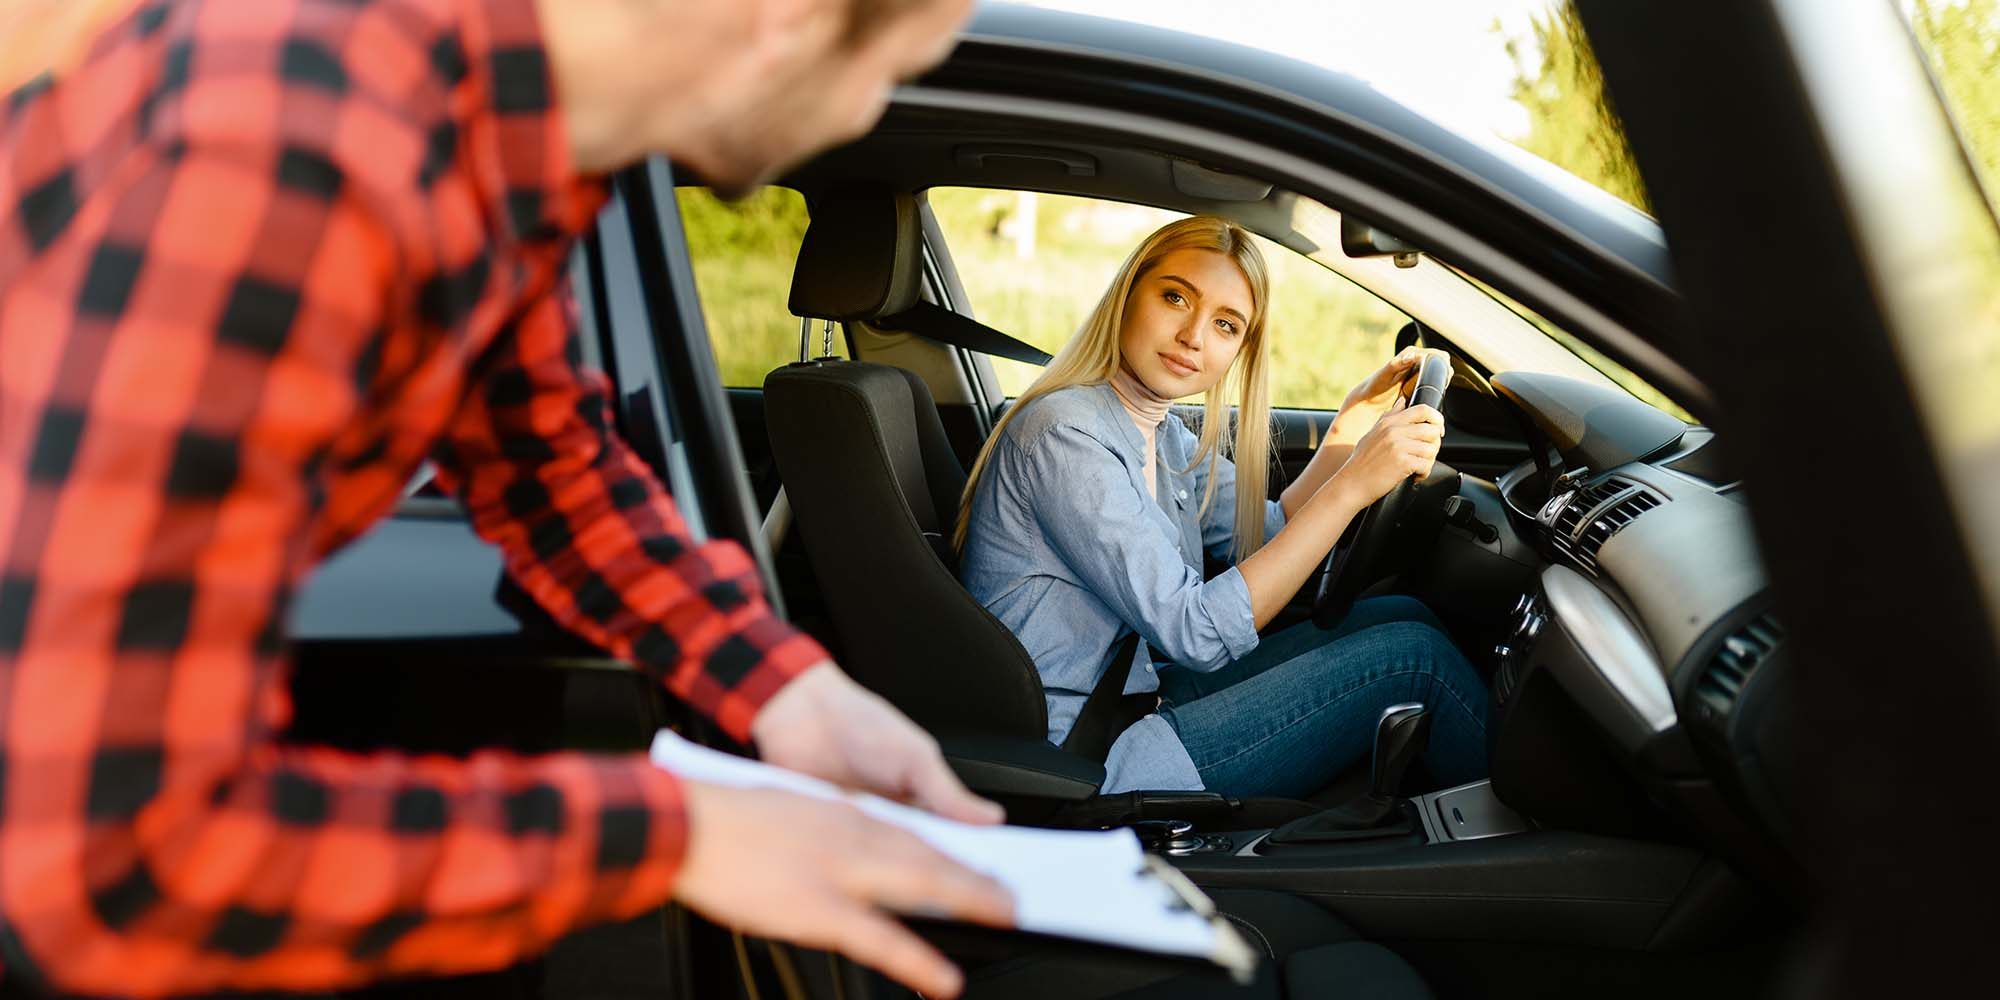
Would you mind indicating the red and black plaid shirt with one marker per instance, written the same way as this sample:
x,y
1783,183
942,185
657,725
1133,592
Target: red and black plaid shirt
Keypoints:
x,y
258,261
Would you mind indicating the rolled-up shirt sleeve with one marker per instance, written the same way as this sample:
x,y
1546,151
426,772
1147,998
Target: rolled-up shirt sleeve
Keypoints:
x,y
1101,528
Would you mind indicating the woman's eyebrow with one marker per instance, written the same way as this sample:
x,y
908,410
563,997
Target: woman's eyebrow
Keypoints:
x,y
1190,286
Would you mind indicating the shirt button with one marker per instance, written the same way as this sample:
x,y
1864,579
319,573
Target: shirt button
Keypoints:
x,y
1149,668
1183,494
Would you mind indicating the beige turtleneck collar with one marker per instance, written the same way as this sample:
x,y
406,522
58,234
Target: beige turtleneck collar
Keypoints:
x,y
1146,408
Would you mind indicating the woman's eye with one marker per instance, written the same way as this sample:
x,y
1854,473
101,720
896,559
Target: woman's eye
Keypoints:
x,y
1175,297
1227,327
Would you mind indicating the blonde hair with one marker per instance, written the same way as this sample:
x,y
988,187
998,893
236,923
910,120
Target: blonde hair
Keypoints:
x,y
1093,356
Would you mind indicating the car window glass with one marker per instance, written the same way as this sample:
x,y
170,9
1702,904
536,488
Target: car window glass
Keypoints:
x,y
1960,40
743,252
1034,265
1625,377
1947,298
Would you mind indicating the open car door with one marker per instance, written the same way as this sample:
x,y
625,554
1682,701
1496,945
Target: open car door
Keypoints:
x,y
1838,256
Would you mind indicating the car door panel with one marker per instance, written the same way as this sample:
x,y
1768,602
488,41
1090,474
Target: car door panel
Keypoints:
x,y
1866,228
1296,435
746,406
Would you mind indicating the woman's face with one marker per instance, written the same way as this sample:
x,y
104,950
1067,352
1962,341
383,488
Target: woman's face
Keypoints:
x,y
1185,321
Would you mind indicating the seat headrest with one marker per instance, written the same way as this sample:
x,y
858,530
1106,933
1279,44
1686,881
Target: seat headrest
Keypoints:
x,y
860,257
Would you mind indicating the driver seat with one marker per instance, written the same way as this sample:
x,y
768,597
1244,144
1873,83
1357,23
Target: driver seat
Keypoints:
x,y
874,488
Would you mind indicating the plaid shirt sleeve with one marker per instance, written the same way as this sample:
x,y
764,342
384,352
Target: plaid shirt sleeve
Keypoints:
x,y
243,252
589,533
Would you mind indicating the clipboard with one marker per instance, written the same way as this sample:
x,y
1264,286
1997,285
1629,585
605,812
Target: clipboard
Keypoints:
x,y
1089,890
1231,957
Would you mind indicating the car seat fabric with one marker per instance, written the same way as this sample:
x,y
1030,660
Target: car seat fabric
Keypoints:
x,y
873,520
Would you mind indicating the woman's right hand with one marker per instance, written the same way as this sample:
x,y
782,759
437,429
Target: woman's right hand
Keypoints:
x,y
1403,443
822,874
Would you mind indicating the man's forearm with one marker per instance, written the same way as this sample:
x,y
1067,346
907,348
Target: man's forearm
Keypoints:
x,y
594,538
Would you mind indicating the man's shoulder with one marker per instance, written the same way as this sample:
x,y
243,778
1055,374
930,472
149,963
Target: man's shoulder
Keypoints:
x,y
397,61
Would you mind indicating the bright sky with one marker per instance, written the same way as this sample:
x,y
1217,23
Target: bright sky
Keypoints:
x,y
1441,57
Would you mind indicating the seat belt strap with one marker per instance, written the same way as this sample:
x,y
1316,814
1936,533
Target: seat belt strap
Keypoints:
x,y
946,327
1108,712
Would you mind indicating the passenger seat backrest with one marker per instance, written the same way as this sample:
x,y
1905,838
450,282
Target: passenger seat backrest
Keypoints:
x,y
943,476
874,488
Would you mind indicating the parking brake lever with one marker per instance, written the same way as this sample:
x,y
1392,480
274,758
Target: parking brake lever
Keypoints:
x,y
1402,733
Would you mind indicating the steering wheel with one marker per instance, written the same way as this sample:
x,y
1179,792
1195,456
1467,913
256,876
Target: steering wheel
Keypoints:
x,y
1394,528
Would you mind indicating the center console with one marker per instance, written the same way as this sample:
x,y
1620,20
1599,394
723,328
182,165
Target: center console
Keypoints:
x,y
1474,869
1477,862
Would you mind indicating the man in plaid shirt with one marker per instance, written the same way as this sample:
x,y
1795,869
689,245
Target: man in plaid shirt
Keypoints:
x,y
259,260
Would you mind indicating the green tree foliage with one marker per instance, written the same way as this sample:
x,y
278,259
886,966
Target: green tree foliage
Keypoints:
x,y
1571,122
1960,355
1961,38
743,252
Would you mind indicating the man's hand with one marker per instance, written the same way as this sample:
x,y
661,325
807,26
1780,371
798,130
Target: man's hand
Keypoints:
x,y
1368,401
825,725
820,874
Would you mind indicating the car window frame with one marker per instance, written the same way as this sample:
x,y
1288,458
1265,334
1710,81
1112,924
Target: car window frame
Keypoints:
x,y
1517,326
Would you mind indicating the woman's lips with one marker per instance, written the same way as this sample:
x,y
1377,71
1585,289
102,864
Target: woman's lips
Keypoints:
x,y
1177,366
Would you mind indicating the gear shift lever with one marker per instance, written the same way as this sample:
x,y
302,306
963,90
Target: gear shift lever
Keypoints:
x,y
1401,735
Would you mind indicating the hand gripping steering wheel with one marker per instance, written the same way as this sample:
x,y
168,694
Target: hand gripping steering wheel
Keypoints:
x,y
1392,529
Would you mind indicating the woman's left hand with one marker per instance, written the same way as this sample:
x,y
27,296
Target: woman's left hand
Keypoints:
x,y
1367,402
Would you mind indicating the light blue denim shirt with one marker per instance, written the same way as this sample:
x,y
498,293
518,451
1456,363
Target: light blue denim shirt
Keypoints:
x,y
1068,549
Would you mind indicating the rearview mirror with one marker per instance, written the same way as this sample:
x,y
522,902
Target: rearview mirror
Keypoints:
x,y
1364,239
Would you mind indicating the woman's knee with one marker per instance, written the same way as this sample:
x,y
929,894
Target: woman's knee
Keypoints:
x,y
1431,651
1399,608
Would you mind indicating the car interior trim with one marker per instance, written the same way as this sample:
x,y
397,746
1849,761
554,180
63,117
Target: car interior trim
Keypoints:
x,y
1612,644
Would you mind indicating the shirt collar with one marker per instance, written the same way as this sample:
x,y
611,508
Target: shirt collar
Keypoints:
x,y
1112,411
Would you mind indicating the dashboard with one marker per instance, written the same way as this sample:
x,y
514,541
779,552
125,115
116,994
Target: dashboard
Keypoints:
x,y
1650,619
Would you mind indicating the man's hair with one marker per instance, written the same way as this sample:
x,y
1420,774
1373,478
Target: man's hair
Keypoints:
x,y
866,17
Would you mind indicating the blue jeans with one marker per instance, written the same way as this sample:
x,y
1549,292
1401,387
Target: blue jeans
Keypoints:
x,y
1302,707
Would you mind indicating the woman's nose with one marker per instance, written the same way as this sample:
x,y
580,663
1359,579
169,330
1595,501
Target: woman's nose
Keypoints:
x,y
1190,335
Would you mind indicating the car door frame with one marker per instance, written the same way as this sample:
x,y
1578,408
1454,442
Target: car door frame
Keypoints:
x,y
1224,107
667,376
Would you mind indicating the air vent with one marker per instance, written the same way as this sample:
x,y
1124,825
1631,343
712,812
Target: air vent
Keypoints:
x,y
1611,519
1579,541
1583,502
1735,660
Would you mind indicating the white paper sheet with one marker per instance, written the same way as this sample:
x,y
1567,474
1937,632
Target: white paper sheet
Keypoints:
x,y
1092,886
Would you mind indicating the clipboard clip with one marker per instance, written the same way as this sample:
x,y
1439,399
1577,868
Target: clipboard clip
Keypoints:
x,y
1230,950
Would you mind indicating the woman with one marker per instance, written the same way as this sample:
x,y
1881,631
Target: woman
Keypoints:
x,y
1089,511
